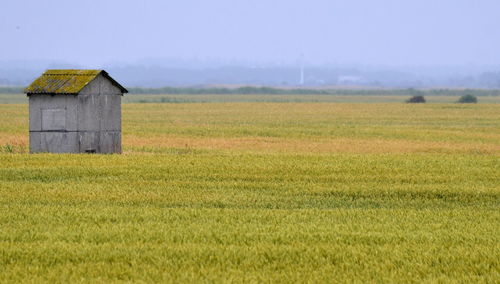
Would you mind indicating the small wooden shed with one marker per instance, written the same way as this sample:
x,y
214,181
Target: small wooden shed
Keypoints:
x,y
75,111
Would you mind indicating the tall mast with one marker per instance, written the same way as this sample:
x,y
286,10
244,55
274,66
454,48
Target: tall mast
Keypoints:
x,y
301,82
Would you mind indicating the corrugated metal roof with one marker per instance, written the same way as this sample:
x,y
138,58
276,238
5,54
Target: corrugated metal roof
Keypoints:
x,y
66,81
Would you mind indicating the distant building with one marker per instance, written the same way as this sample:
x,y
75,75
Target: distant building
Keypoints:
x,y
348,80
75,111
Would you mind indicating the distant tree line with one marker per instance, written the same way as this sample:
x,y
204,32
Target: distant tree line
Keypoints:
x,y
294,91
11,90
304,91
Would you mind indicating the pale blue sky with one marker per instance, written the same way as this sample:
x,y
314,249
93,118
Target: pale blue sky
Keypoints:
x,y
372,32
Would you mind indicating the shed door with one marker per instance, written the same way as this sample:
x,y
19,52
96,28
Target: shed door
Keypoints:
x,y
53,119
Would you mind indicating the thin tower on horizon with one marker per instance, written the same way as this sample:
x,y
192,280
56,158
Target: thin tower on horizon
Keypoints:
x,y
301,81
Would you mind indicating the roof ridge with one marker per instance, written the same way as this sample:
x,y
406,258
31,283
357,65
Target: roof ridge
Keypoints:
x,y
57,74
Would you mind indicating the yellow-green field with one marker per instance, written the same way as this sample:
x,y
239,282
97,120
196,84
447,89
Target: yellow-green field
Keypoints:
x,y
186,98
260,192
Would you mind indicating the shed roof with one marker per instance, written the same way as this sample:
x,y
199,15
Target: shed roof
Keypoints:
x,y
67,81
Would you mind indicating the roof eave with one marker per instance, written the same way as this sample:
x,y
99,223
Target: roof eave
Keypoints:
x,y
52,94
114,82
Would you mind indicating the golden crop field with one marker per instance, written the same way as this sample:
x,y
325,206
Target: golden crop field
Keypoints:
x,y
260,192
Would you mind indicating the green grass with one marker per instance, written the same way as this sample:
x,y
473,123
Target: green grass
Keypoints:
x,y
156,98
260,192
293,99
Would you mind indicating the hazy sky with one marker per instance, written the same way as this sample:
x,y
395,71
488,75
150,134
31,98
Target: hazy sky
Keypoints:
x,y
388,32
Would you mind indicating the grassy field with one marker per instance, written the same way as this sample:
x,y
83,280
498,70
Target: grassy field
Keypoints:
x,y
260,192
21,98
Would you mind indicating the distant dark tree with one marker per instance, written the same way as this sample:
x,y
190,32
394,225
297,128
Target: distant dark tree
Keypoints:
x,y
467,99
416,99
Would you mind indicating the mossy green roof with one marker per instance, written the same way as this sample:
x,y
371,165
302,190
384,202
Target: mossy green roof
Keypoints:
x,y
67,81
